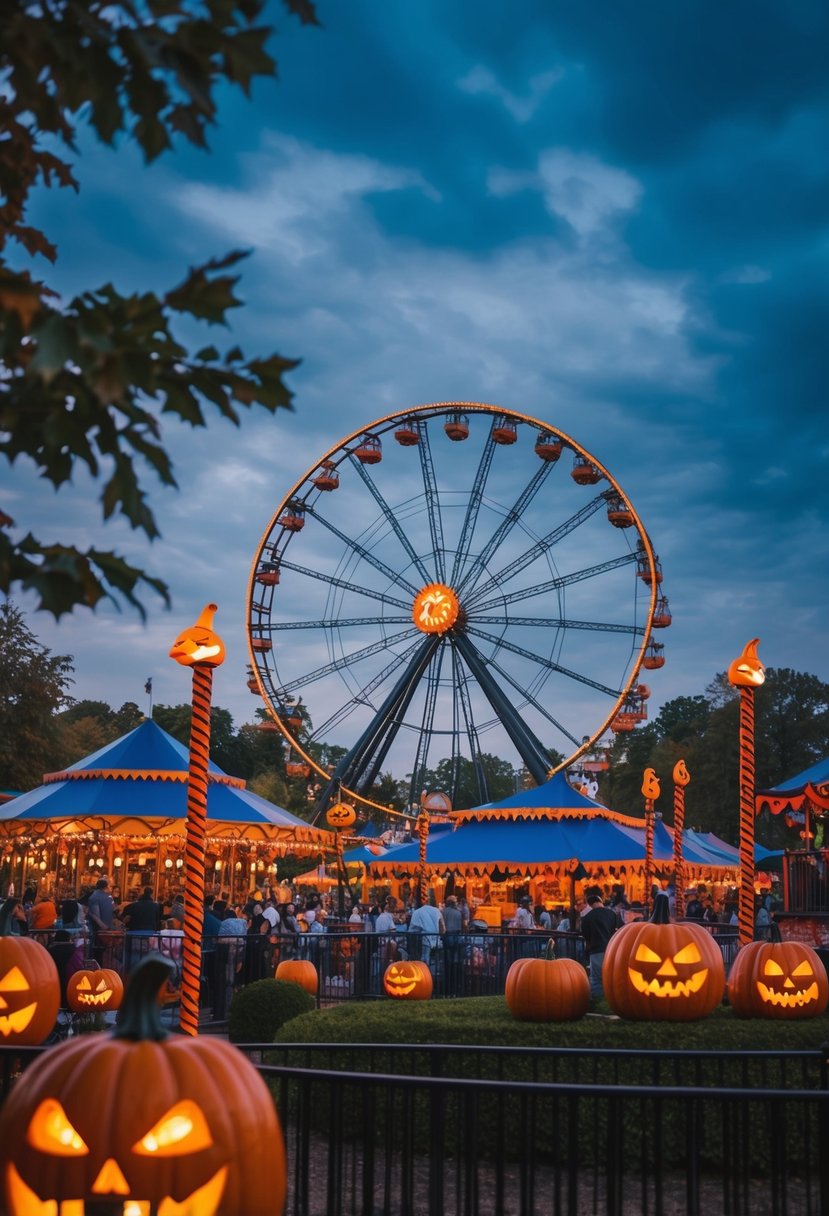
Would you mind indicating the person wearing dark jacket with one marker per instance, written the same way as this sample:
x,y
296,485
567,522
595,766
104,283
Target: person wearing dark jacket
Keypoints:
x,y
597,927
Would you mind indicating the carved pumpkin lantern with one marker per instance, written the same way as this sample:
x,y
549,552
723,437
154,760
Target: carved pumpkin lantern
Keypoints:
x,y
29,987
341,815
299,971
408,980
94,991
198,643
547,989
747,671
138,1121
778,980
657,971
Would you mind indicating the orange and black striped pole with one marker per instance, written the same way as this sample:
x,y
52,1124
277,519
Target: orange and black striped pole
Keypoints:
x,y
200,648
423,836
746,673
681,779
650,790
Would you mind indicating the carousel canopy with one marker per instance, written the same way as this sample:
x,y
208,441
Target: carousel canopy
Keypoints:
x,y
137,786
553,827
812,786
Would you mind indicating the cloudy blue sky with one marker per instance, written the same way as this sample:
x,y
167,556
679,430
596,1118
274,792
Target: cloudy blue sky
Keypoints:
x,y
611,216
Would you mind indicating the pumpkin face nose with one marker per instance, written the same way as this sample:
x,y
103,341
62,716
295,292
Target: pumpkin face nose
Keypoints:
x,y
110,1180
667,968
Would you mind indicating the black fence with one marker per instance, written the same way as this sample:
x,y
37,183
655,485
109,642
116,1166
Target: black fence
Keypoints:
x,y
349,965
807,881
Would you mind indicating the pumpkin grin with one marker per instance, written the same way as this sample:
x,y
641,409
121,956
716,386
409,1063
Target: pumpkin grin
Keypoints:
x,y
787,999
17,1022
204,1201
667,987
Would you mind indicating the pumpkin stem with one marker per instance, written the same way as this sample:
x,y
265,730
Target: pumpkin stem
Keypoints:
x,y
550,952
140,1014
661,914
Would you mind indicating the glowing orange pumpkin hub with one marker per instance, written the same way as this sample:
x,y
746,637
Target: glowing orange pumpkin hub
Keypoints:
x,y
435,609
198,644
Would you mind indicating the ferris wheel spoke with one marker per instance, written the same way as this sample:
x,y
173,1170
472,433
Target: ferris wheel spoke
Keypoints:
x,y
539,548
341,622
365,554
471,731
427,721
530,749
503,530
503,643
555,584
333,581
362,697
432,497
541,622
346,660
473,507
389,717
531,700
390,517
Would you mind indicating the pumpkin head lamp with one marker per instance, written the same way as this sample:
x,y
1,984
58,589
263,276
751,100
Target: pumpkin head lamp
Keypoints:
x,y
778,979
659,971
747,671
198,644
341,815
94,991
408,980
29,986
140,1122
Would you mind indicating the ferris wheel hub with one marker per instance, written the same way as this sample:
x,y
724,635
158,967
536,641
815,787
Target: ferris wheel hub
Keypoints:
x,y
435,608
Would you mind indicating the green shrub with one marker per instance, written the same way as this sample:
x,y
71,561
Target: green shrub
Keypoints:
x,y
258,1010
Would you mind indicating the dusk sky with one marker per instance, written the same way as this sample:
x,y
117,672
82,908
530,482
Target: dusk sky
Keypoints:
x,y
611,216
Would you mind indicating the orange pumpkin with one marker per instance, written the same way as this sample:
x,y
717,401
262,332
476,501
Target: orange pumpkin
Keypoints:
x,y
747,671
299,971
408,980
778,980
658,971
547,989
94,991
198,645
142,1120
340,815
29,987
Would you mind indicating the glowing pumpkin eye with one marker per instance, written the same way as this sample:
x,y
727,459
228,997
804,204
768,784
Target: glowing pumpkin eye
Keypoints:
x,y
51,1132
772,968
804,968
183,1128
644,954
688,954
14,981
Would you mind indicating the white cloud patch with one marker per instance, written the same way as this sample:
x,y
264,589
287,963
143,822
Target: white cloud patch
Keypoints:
x,y
576,187
480,80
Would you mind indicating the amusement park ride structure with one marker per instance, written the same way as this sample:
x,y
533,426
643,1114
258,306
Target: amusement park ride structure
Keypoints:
x,y
469,597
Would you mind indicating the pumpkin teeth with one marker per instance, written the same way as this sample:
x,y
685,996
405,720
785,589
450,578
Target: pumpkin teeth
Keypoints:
x,y
787,999
202,1202
669,988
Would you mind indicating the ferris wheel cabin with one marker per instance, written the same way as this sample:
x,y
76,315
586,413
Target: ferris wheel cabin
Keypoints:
x,y
292,518
547,447
618,512
504,431
584,472
407,434
369,450
327,478
654,656
457,427
662,614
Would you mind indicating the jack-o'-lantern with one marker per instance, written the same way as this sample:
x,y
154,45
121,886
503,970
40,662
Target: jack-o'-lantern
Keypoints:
x,y
340,815
138,1121
198,644
408,980
778,980
547,989
747,671
94,991
681,775
658,971
650,784
298,971
29,987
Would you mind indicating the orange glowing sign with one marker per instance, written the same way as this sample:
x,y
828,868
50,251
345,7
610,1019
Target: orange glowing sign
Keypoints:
x,y
435,608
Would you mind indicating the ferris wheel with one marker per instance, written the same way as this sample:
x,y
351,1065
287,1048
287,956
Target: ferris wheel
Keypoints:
x,y
453,582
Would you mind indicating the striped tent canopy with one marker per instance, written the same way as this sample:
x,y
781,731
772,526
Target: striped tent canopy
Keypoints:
x,y
809,790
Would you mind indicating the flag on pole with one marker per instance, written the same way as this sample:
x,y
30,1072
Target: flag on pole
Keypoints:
x,y
148,687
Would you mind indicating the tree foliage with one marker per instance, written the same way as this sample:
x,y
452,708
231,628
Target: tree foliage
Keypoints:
x,y
34,685
85,381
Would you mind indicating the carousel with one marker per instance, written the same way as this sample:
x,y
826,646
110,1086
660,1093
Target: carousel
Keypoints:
x,y
121,812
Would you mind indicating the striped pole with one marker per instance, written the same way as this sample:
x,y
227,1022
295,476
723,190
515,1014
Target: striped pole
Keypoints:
x,y
746,673
423,834
194,849
681,779
745,910
202,649
650,790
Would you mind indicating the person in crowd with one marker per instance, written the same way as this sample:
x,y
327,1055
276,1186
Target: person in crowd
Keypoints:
x,y
71,918
694,908
597,926
100,911
523,918
12,909
543,919
453,946
289,931
142,919
67,954
43,914
428,921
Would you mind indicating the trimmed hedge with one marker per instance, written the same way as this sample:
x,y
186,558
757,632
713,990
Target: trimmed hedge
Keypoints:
x,y
258,1010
